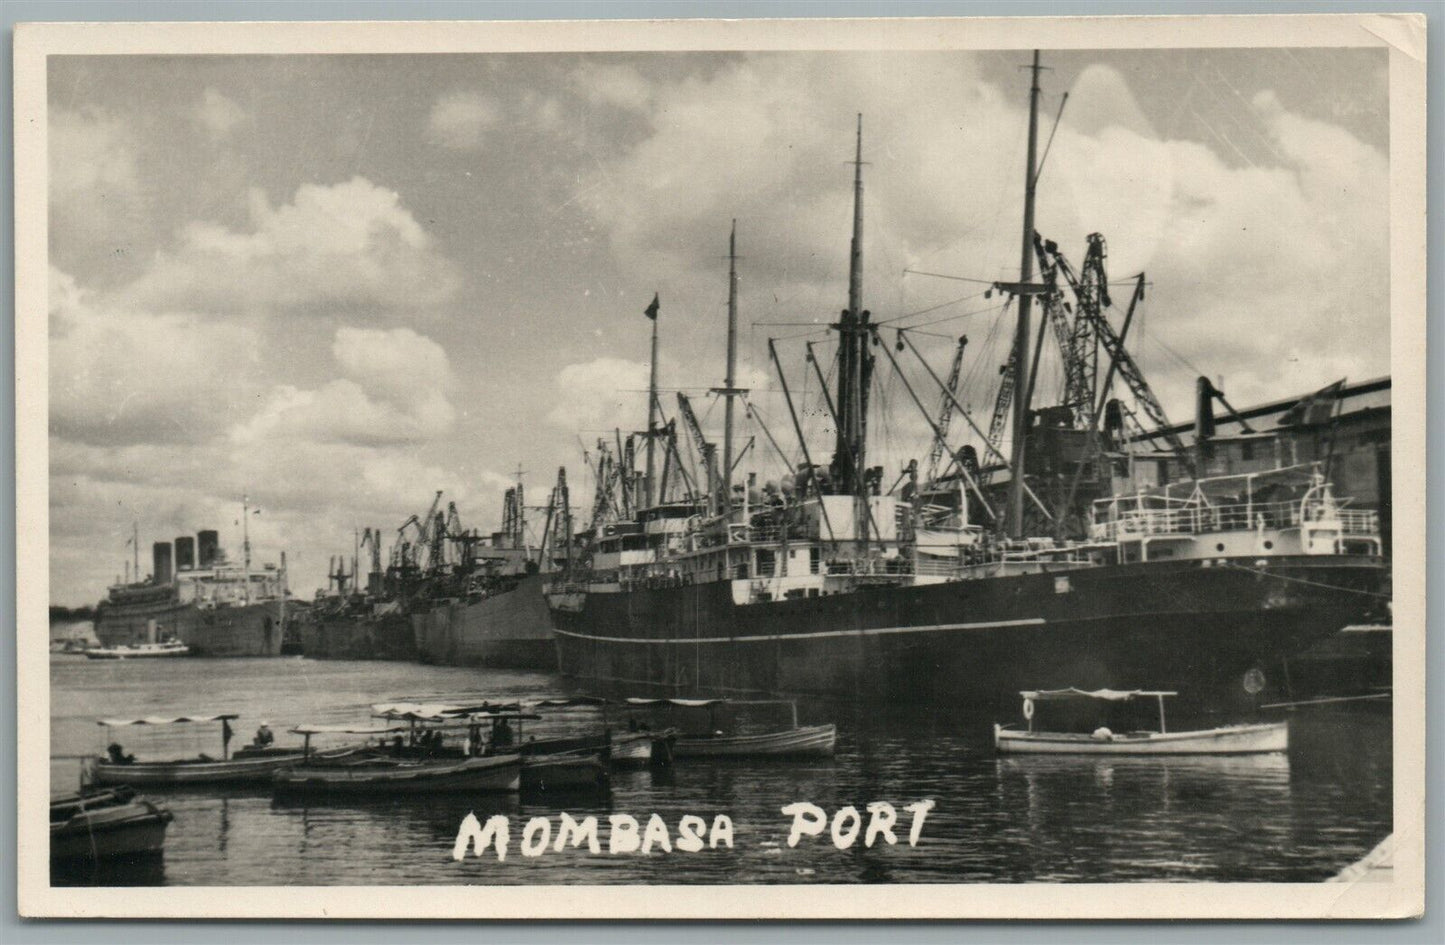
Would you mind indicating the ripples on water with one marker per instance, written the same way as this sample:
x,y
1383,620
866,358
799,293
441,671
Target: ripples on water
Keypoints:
x,y
1252,818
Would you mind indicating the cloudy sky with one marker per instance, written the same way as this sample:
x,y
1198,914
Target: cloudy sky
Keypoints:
x,y
338,284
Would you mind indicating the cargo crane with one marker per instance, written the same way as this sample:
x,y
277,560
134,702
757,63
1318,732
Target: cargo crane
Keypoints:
x,y
1091,291
707,450
1002,402
945,412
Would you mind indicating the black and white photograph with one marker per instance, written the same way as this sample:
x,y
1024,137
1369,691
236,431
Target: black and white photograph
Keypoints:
x,y
851,468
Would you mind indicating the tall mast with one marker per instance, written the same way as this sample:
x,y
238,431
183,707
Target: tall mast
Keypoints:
x,y
135,548
853,374
1022,371
731,380
650,498
246,549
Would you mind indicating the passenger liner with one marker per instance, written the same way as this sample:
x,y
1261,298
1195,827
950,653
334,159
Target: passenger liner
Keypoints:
x,y
963,586
212,605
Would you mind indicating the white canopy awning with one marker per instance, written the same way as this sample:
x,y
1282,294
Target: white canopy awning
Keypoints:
x,y
161,720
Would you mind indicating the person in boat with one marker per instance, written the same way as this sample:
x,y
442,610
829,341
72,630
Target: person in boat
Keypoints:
x,y
264,738
502,735
474,740
226,734
117,755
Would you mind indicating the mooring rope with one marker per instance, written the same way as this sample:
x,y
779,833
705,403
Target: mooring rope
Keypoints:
x,y
1295,580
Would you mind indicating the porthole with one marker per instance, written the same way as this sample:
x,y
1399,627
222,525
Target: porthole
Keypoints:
x,y
1268,545
1219,546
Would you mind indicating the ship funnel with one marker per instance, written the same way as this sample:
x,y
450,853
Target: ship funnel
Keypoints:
x,y
208,542
185,553
161,562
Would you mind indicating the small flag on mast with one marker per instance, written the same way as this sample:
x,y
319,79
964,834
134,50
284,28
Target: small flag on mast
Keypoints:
x,y
651,311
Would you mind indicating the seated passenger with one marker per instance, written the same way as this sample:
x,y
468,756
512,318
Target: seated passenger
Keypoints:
x,y
264,738
118,756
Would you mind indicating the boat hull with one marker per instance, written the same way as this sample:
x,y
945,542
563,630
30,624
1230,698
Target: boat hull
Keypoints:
x,y
1230,740
500,774
249,630
358,637
809,741
511,630
161,773
136,652
133,829
1185,625
567,772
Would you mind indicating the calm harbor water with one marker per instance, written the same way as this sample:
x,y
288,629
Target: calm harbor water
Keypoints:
x,y
1266,818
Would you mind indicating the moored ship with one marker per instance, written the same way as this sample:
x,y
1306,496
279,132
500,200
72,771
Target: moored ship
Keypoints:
x,y
201,599
480,598
356,624
1072,561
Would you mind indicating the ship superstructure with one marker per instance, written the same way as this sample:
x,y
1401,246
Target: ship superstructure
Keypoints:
x,y
1075,557
197,595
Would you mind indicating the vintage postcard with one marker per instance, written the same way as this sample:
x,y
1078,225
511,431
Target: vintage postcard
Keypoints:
x,y
790,469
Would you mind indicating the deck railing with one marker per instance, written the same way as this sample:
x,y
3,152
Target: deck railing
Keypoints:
x,y
1197,519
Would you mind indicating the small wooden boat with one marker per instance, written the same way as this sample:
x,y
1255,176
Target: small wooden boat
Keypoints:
x,y
374,771
583,770
1257,738
141,651
248,766
797,741
99,825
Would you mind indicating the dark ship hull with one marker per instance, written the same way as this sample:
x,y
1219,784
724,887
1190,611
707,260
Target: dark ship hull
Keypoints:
x,y
1192,626
243,630
358,637
508,630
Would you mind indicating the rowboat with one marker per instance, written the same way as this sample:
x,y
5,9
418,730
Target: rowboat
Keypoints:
x,y
1245,739
140,651
99,825
247,766
808,741
796,741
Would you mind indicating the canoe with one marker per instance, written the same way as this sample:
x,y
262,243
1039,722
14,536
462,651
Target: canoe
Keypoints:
x,y
569,771
808,741
1227,740
375,775
105,825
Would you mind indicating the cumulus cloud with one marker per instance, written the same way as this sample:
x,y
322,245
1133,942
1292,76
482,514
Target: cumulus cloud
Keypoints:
x,y
124,375
219,115
1253,266
459,120
393,391
600,395
348,247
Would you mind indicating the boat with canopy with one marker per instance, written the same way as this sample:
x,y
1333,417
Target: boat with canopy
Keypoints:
x,y
1079,704
245,766
546,765
793,741
373,771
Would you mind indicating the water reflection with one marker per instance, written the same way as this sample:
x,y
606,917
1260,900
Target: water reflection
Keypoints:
x,y
1010,819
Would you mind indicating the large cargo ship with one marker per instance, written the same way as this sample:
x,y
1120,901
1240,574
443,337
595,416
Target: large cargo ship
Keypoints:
x,y
1085,557
480,598
352,623
199,597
